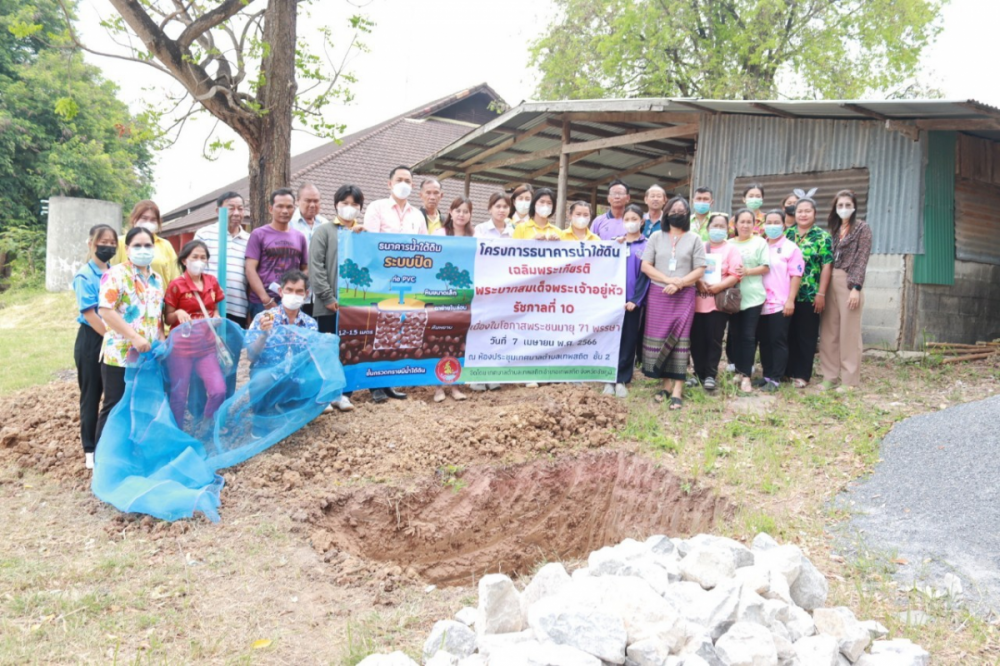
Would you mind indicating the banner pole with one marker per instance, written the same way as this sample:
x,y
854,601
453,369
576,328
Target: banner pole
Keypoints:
x,y
221,259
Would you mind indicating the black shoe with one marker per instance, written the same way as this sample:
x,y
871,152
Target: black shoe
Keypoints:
x,y
379,396
395,394
760,382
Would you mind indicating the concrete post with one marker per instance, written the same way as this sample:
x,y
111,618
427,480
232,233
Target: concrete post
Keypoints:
x,y
70,220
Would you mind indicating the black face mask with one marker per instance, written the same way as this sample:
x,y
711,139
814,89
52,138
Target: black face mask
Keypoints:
x,y
105,253
682,222
790,210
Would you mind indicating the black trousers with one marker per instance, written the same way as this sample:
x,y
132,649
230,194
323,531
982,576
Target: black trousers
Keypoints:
x,y
803,334
327,323
87,354
114,388
239,321
743,334
772,334
631,333
707,331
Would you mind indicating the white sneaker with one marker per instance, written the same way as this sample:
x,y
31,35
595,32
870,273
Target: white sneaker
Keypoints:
x,y
494,387
621,391
609,389
328,409
343,404
89,460
531,385
477,387
731,368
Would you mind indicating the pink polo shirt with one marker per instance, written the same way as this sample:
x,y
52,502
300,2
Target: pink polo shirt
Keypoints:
x,y
729,259
786,263
387,217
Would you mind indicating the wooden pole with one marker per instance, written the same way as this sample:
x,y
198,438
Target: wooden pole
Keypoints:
x,y
563,177
593,202
468,184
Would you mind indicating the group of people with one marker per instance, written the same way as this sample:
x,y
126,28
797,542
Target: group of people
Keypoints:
x,y
774,280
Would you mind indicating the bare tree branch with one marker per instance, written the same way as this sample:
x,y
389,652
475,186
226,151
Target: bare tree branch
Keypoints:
x,y
206,22
77,44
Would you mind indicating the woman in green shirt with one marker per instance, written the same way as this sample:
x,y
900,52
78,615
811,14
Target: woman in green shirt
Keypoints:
x,y
817,253
743,324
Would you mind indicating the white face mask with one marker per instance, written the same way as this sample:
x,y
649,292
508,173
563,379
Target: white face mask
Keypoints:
x,y
522,207
401,190
845,213
292,301
148,226
581,222
196,267
543,211
347,213
631,227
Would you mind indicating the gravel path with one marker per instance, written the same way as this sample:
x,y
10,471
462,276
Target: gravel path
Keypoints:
x,y
935,499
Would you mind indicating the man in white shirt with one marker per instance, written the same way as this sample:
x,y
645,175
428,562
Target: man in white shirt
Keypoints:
x,y
395,215
236,248
305,220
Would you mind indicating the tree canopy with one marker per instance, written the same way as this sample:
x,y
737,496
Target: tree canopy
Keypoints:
x,y
734,49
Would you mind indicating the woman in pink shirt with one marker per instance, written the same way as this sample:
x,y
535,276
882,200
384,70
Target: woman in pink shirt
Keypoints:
x,y
459,222
782,286
709,324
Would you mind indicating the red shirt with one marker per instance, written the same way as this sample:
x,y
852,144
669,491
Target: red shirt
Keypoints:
x,y
181,294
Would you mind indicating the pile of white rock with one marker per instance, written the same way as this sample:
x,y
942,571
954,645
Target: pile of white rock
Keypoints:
x,y
704,601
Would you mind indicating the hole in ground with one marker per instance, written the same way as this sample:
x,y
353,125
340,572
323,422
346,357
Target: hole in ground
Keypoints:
x,y
508,519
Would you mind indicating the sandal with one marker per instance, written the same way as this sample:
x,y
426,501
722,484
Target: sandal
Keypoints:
x,y
801,384
745,385
457,395
661,395
825,385
439,395
676,403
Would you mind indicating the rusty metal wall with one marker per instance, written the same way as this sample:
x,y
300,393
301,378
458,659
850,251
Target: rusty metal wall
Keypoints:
x,y
733,146
827,184
977,201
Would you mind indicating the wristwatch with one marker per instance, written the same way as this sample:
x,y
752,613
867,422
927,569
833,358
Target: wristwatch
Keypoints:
x,y
856,287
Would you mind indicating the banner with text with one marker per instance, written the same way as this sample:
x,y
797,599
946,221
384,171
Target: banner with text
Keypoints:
x,y
426,310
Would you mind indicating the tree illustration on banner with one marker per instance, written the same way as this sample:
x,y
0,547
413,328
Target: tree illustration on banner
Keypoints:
x,y
362,279
349,273
460,279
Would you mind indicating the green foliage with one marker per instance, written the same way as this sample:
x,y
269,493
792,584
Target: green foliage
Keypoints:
x,y
733,49
459,279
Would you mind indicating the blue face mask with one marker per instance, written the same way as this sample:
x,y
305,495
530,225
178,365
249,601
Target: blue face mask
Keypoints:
x,y
717,235
141,256
774,231
701,207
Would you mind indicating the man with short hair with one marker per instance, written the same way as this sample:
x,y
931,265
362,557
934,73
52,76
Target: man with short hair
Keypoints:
x,y
430,194
656,200
701,207
272,251
395,215
610,225
236,249
306,217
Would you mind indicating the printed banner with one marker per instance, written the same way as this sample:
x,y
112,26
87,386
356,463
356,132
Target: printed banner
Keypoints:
x,y
427,310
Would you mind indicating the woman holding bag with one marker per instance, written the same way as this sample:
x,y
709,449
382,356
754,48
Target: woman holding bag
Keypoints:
x,y
193,296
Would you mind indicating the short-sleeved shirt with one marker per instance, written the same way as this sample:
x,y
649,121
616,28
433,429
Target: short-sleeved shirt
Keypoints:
x,y
758,224
277,253
687,249
528,230
280,344
489,230
300,225
723,262
87,286
139,301
649,226
786,263
702,229
181,295
236,277
817,251
568,235
386,216
164,258
608,227
754,252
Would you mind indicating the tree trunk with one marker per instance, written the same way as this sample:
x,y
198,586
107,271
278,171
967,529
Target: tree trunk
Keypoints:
x,y
270,153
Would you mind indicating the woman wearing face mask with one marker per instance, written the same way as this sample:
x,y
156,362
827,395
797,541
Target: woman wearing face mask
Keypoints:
x,y
636,287
131,305
540,227
146,215
723,262
499,225
674,260
102,246
817,253
753,199
788,208
743,324
461,226
192,350
781,284
520,200
579,223
840,333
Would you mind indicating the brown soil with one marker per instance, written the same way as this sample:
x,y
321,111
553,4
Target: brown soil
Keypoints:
x,y
455,526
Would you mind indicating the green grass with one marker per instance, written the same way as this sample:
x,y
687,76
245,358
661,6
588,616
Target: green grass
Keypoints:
x,y
37,333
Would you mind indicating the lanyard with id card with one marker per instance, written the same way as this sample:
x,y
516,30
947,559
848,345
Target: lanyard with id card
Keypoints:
x,y
672,266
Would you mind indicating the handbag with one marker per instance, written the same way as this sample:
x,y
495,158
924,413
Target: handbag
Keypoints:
x,y
729,300
225,358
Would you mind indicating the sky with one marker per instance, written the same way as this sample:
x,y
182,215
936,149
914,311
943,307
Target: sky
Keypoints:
x,y
420,51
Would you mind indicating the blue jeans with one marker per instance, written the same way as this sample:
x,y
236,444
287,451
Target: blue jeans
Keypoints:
x,y
253,309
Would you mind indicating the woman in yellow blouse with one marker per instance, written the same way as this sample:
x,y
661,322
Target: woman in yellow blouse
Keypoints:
x,y
579,223
146,214
539,225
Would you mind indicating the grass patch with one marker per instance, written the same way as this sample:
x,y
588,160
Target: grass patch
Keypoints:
x,y
37,333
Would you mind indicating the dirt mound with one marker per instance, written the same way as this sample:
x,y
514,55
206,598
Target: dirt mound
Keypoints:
x,y
454,527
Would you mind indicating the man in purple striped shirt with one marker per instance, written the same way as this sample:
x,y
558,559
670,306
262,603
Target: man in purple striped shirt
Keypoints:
x,y
610,225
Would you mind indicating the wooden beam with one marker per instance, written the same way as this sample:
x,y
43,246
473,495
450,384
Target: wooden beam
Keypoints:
x,y
698,107
959,124
771,109
860,110
662,117
904,127
603,133
503,145
691,129
636,169
563,177
548,169
518,159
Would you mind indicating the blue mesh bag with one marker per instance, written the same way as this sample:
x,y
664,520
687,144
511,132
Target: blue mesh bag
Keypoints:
x,y
203,401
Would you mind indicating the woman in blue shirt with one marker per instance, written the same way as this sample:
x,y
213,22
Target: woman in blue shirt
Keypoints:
x,y
103,244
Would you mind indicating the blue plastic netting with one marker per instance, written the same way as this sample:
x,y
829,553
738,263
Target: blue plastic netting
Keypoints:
x,y
150,461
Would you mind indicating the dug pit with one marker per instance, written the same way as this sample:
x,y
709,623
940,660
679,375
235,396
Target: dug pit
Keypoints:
x,y
458,525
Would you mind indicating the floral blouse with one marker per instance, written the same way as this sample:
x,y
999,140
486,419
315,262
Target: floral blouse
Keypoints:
x,y
817,251
139,301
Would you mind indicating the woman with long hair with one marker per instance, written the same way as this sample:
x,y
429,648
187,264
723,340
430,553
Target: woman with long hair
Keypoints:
x,y
781,284
743,324
499,224
146,214
463,225
520,202
817,254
